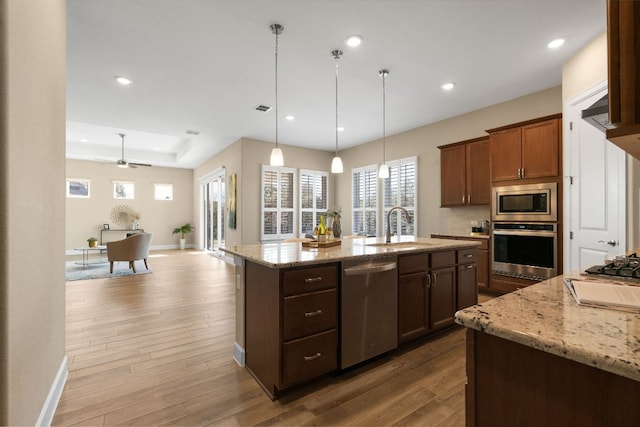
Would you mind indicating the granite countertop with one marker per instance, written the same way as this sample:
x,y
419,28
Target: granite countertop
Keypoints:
x,y
473,235
280,255
546,317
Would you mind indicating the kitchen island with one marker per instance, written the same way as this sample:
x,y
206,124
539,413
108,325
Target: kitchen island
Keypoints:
x,y
296,308
535,357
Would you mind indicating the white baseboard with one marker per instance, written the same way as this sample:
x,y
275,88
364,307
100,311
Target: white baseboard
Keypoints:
x,y
51,404
152,248
238,354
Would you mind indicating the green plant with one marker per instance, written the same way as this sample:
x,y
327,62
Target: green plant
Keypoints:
x,y
92,239
332,214
182,230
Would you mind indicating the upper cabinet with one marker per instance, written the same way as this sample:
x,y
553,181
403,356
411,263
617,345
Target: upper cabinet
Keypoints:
x,y
623,41
464,173
527,150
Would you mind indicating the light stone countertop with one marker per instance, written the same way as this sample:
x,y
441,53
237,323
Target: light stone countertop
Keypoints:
x,y
546,317
471,235
279,255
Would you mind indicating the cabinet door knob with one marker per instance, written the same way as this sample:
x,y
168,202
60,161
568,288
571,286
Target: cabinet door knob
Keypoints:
x,y
469,266
312,313
312,279
310,358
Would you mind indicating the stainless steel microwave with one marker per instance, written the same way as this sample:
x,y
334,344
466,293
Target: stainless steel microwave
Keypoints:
x,y
529,202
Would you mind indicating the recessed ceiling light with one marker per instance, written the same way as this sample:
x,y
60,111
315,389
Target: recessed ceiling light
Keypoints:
x,y
354,40
84,140
448,86
340,128
123,80
554,44
289,117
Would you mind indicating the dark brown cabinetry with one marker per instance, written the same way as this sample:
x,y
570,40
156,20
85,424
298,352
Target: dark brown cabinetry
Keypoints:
x,y
467,278
528,150
482,260
464,173
623,39
428,287
291,321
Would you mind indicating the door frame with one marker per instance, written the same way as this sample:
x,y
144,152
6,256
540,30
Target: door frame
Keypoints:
x,y
599,89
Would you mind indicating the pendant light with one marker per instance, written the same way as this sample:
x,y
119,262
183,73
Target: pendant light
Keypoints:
x,y
336,163
276,154
383,172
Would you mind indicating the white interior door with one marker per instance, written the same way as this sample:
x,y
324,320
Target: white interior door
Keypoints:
x,y
595,189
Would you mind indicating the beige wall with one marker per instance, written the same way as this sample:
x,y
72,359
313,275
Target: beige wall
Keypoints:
x,y
424,141
85,217
585,69
32,160
246,157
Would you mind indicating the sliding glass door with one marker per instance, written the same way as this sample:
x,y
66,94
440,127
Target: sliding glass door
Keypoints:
x,y
213,210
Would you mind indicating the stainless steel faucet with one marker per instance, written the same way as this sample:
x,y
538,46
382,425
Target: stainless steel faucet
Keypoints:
x,y
409,221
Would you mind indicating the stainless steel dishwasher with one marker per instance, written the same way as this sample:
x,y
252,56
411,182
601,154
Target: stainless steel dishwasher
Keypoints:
x,y
368,309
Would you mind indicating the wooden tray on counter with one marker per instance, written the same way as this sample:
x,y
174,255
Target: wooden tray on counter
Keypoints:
x,y
327,244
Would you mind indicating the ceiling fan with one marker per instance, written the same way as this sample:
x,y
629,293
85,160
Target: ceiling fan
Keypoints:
x,y
122,163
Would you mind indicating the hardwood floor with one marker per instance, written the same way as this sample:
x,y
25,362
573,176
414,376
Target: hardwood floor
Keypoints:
x,y
156,349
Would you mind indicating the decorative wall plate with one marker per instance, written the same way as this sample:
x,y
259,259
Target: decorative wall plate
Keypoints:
x,y
123,215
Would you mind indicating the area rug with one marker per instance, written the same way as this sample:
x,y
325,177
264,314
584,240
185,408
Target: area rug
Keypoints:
x,y
100,271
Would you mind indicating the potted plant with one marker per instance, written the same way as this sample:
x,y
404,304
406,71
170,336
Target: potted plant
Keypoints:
x,y
182,230
93,242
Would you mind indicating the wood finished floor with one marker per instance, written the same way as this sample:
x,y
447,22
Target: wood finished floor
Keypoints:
x,y
156,349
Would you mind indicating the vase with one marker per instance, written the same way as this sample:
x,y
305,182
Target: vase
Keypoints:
x,y
337,228
93,243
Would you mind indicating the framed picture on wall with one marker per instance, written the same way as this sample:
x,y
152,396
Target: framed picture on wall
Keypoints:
x,y
80,188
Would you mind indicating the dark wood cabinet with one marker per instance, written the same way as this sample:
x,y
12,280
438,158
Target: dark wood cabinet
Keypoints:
x,y
428,289
623,39
528,150
291,324
482,260
468,262
464,173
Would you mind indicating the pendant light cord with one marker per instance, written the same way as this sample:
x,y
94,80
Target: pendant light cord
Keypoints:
x,y
276,29
336,54
383,74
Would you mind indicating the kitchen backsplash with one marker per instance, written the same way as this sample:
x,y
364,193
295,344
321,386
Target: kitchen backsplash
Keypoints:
x,y
460,218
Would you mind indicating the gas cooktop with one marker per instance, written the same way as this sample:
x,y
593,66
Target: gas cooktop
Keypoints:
x,y
622,266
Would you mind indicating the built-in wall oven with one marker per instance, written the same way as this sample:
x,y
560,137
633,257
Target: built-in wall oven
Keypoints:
x,y
525,250
524,229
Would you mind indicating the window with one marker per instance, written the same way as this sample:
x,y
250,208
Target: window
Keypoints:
x,y
123,190
313,199
400,189
80,188
163,191
278,202
365,201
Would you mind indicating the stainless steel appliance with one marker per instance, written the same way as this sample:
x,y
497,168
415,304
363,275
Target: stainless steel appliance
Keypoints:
x,y
368,309
526,250
529,202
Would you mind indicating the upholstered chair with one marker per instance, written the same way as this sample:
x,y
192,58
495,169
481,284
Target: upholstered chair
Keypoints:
x,y
130,249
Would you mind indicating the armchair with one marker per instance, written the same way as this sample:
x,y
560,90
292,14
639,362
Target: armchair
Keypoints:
x,y
130,249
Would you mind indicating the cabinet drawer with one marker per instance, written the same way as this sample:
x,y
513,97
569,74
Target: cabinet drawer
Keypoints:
x,y
309,279
309,314
414,263
467,256
309,357
443,259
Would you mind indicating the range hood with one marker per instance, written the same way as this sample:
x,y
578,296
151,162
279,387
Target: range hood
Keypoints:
x,y
598,114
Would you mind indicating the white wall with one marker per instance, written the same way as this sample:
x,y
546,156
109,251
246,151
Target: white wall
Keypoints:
x,y
32,151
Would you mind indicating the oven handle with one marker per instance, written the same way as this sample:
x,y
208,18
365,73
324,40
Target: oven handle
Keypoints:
x,y
525,233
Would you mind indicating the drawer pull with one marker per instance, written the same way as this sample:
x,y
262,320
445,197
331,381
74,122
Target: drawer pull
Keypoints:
x,y
310,358
469,255
312,313
312,279
469,266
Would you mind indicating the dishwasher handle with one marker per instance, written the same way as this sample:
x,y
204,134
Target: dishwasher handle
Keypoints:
x,y
369,269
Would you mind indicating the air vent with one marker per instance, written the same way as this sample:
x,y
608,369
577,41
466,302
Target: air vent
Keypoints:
x,y
192,132
263,108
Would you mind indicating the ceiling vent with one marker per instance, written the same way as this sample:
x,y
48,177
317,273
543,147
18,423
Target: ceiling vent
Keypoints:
x,y
263,108
192,132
